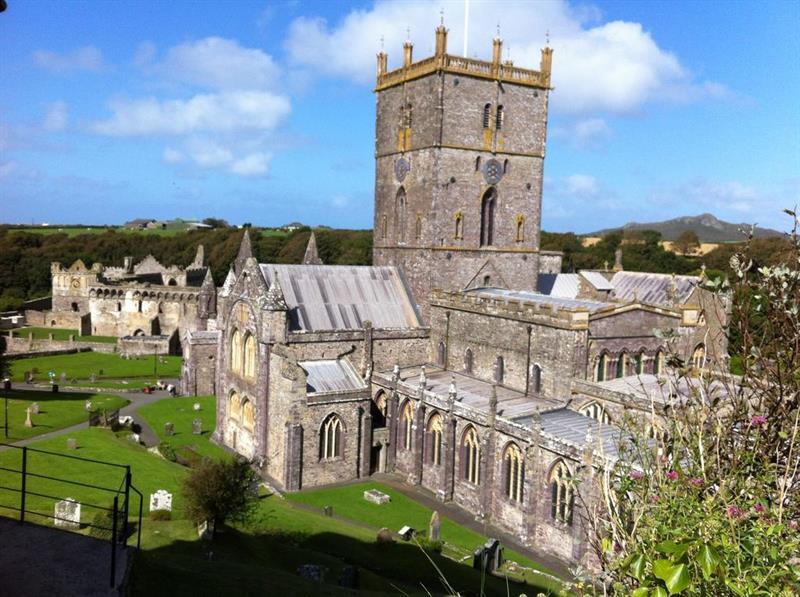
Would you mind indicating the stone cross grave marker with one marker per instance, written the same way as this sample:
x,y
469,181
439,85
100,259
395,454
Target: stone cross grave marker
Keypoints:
x,y
72,443
35,408
68,514
28,420
169,429
88,406
161,500
197,427
434,528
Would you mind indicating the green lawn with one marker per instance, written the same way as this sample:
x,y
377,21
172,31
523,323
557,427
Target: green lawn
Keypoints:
x,y
60,334
349,502
56,411
111,370
180,412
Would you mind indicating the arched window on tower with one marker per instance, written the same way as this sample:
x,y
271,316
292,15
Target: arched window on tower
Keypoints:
x,y
433,440
499,369
477,164
536,378
561,493
488,205
407,423
440,354
470,456
499,118
468,361
513,472
459,231
487,115
418,227
400,214
330,438
520,219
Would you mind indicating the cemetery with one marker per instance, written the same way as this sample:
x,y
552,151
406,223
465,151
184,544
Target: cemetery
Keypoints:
x,y
285,544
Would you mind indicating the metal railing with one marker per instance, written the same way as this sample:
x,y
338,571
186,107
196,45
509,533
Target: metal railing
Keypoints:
x,y
120,503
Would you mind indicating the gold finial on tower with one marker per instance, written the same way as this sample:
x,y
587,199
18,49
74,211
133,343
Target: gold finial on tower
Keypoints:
x,y
408,49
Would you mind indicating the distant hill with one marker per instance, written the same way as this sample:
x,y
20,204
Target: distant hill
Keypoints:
x,y
709,229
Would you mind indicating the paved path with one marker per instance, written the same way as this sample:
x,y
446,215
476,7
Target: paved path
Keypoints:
x,y
138,400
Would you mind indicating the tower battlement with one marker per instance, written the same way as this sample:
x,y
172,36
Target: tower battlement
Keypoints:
x,y
441,61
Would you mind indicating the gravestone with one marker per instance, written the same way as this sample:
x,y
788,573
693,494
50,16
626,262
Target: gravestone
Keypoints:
x,y
205,530
313,572
28,420
196,406
88,406
67,514
384,537
489,556
93,378
72,443
406,533
63,377
376,497
161,500
197,427
169,429
434,528
135,438
35,408
328,510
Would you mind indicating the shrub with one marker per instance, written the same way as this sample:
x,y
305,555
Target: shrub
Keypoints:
x,y
160,515
167,451
103,522
431,546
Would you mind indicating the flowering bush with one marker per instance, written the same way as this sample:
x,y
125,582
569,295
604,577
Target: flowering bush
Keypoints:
x,y
711,508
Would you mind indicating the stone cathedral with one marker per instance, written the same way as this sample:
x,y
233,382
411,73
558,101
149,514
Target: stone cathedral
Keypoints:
x,y
462,361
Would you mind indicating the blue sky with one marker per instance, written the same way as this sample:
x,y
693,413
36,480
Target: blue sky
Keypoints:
x,y
263,112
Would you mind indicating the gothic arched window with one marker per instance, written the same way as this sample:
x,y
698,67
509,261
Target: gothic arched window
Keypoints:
x,y
470,455
561,493
536,378
248,417
600,370
659,362
640,363
236,352
499,369
513,472
499,118
488,205
459,232
468,361
622,364
330,438
487,115
699,356
520,228
407,424
249,366
400,214
595,411
418,227
378,410
433,439
440,354
234,406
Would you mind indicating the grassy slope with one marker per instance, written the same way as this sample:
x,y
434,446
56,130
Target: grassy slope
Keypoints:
x,y
60,334
56,411
348,501
114,369
180,412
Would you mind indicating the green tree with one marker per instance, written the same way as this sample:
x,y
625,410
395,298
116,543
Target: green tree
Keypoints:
x,y
687,242
219,491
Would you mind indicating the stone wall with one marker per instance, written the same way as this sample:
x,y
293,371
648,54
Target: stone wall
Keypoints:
x,y
19,345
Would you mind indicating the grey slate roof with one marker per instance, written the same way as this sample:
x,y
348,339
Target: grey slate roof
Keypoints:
x,y
659,388
342,297
573,427
597,280
651,288
542,299
336,375
560,285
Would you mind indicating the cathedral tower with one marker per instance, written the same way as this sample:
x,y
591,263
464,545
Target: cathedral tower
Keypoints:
x,y
459,156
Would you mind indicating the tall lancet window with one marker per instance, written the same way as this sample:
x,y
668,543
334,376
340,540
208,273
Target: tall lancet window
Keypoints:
x,y
488,205
401,214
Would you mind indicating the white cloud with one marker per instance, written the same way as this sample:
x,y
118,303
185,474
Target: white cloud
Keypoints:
x,y
585,133
173,156
145,54
254,164
727,197
612,67
215,63
226,112
340,201
55,117
581,185
87,58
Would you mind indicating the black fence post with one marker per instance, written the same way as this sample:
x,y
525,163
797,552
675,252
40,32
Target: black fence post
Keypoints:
x,y
114,543
24,479
127,502
139,524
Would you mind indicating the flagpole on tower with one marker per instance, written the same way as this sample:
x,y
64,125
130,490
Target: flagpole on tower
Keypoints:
x,y
466,26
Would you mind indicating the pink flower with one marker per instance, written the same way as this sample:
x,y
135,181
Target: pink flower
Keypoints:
x,y
672,475
794,525
636,475
758,421
696,481
759,508
734,512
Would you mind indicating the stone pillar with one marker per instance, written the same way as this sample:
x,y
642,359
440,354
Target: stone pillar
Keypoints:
x,y
366,445
530,491
449,449
391,421
293,465
488,456
418,441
